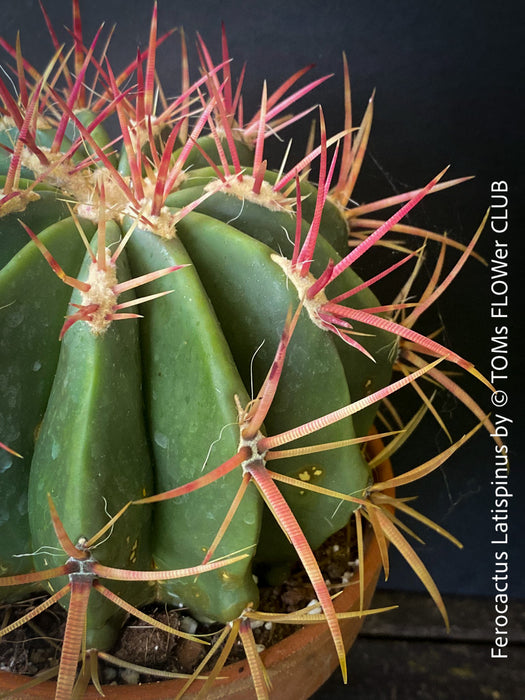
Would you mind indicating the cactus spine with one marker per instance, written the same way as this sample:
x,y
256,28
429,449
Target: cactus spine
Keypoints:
x,y
246,286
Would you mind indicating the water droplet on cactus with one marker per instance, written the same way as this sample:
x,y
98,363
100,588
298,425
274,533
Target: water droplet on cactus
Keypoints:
x,y
161,439
6,463
15,319
22,504
249,518
55,449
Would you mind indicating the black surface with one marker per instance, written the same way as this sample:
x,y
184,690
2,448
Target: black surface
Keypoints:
x,y
407,653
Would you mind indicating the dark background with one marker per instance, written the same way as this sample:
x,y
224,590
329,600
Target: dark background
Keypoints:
x,y
449,90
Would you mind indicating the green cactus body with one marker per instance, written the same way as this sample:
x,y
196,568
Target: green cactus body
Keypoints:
x,y
41,209
93,437
332,225
34,303
276,228
190,384
8,137
186,444
251,297
99,134
129,407
201,348
43,138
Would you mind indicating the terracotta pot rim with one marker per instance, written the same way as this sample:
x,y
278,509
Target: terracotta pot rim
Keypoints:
x,y
239,671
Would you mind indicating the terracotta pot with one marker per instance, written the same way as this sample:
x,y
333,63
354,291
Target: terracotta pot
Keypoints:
x,y
297,666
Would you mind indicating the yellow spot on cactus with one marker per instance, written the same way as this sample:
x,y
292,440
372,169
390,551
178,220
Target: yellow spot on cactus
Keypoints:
x,y
133,553
17,203
311,472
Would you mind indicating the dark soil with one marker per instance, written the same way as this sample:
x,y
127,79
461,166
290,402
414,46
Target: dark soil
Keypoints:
x,y
36,646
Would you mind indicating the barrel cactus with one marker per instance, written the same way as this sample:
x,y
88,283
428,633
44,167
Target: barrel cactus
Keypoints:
x,y
145,440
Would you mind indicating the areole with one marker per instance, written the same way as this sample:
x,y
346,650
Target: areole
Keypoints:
x,y
211,432
308,654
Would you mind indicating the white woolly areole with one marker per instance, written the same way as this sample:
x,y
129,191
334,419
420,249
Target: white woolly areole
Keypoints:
x,y
115,201
302,285
17,203
243,190
162,224
252,445
101,285
79,183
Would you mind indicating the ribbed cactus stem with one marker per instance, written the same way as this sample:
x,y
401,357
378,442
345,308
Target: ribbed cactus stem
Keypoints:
x,y
148,430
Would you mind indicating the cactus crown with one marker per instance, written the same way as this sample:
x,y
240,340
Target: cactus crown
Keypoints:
x,y
148,438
